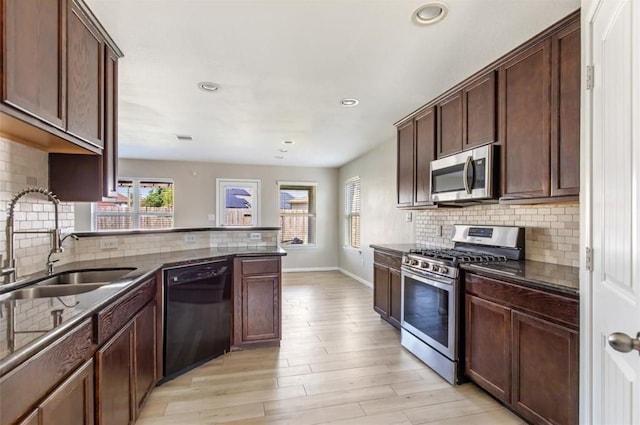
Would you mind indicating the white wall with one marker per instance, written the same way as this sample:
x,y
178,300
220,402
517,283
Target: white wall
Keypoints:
x,y
381,221
195,191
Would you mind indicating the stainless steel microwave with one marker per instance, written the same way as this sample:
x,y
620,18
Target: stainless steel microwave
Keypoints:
x,y
464,176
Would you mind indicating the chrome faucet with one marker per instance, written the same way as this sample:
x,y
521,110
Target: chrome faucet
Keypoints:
x,y
10,271
50,262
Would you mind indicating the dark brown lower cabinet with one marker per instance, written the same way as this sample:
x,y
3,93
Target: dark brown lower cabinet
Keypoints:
x,y
545,370
257,303
125,370
488,346
522,347
114,381
387,286
70,404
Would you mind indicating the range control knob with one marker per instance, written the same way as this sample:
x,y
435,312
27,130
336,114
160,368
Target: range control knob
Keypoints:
x,y
435,268
414,262
406,260
424,265
444,270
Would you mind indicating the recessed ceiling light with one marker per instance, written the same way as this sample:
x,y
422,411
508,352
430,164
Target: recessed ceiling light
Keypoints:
x,y
288,142
208,86
279,157
283,150
348,101
430,13
184,137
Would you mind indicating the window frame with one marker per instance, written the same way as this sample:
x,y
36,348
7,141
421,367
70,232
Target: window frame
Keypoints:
x,y
313,209
223,182
135,213
349,214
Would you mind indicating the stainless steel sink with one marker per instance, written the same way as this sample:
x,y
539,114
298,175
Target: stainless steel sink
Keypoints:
x,y
86,277
50,291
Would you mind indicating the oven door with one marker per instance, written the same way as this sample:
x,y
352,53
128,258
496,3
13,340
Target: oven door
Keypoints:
x,y
429,311
464,176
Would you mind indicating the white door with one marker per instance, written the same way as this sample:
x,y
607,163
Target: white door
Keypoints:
x,y
612,212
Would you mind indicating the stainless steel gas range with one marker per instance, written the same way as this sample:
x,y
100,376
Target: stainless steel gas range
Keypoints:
x,y
432,301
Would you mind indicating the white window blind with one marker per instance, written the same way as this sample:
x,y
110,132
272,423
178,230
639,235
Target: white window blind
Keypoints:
x,y
297,205
352,207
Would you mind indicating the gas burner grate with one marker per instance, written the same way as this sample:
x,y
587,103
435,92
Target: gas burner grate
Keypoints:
x,y
456,255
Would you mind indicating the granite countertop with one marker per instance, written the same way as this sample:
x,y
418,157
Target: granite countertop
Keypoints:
x,y
556,277
34,317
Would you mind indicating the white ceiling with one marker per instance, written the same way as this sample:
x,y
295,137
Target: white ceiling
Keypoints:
x,y
284,65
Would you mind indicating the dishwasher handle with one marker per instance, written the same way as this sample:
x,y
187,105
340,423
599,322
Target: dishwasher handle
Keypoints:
x,y
187,274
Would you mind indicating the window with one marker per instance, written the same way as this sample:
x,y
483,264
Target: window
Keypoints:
x,y
297,213
141,204
238,202
352,211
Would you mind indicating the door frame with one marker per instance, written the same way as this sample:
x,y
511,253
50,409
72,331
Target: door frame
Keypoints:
x,y
589,8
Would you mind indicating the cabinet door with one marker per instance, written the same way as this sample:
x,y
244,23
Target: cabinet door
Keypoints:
x,y
110,152
450,125
488,342
85,58
395,293
381,289
479,105
260,308
425,153
565,119
33,58
525,115
113,380
145,353
405,165
545,356
72,402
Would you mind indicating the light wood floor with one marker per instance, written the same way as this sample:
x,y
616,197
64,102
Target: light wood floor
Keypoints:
x,y
339,363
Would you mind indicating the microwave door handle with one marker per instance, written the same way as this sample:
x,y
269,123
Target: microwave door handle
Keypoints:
x,y
465,174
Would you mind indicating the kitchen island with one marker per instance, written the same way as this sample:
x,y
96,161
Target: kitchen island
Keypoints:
x,y
117,326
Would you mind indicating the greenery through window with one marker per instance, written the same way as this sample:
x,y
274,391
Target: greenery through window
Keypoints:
x,y
297,205
140,204
352,212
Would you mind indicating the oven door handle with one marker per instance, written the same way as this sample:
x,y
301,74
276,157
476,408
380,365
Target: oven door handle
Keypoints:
x,y
465,174
445,284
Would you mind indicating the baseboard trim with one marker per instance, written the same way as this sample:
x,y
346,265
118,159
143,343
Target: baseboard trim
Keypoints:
x,y
310,269
356,277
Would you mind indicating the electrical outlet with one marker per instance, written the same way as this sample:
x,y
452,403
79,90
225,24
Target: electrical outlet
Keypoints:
x,y
408,217
109,243
255,236
439,230
190,238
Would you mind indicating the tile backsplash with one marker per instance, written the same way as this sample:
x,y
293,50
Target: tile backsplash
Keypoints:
x,y
552,230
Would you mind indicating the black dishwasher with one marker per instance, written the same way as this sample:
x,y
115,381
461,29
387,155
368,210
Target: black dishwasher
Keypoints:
x,y
197,315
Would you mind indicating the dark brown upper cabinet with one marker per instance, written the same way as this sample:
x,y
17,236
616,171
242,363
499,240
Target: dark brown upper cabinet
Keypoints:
x,y
53,79
565,118
525,116
110,152
85,70
405,165
479,121
34,65
425,142
450,125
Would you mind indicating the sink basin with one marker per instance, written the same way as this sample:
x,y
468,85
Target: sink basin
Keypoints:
x,y
86,277
50,291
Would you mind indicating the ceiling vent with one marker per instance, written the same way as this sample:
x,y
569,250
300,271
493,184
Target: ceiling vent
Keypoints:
x,y
184,138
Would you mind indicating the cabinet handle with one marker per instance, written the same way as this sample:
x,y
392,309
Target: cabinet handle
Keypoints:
x,y
465,172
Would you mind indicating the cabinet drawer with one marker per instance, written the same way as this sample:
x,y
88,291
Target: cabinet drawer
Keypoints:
x,y
24,386
389,260
114,317
260,266
552,306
